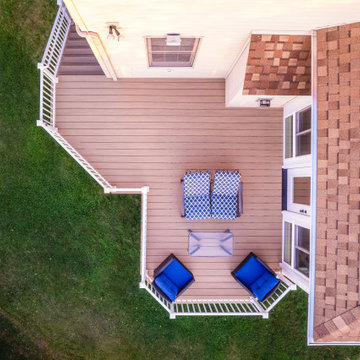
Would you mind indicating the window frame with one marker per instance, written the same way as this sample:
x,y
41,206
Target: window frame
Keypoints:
x,y
193,56
295,160
296,173
299,248
304,222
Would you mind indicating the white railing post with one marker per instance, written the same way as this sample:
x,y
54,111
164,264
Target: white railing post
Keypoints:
x,y
172,312
261,310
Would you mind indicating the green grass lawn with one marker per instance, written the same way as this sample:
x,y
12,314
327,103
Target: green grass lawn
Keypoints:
x,y
69,254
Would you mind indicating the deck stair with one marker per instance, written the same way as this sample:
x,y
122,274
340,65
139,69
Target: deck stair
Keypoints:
x,y
78,59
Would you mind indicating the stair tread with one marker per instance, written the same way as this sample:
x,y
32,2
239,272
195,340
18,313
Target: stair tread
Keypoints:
x,y
78,59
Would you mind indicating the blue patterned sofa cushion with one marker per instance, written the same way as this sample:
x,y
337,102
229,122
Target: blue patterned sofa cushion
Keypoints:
x,y
225,195
167,286
197,184
263,285
226,183
197,196
197,207
224,207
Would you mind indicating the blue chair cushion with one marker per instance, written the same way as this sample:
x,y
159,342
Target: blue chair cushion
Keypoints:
x,y
224,207
250,271
263,285
167,286
177,274
197,207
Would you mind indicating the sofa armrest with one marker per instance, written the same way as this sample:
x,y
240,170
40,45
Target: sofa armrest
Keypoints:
x,y
240,200
182,199
163,265
181,290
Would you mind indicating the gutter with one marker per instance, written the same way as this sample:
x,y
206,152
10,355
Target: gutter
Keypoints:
x,y
95,42
333,343
314,128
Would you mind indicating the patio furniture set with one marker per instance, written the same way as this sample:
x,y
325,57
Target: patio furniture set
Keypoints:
x,y
205,196
219,196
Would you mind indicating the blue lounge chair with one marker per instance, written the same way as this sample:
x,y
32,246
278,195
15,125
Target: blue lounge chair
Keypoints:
x,y
171,278
256,277
196,195
226,202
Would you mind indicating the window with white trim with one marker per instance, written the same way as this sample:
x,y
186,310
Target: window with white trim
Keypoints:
x,y
299,190
296,243
303,132
160,54
297,134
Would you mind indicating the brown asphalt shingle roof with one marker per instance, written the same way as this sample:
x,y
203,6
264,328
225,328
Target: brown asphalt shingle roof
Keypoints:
x,y
278,65
337,299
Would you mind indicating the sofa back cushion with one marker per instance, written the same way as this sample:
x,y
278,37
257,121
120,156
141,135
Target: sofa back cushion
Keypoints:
x,y
177,274
250,271
226,183
196,184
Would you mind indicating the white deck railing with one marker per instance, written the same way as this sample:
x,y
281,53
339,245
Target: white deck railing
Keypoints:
x,y
79,158
197,307
50,64
48,79
220,307
56,43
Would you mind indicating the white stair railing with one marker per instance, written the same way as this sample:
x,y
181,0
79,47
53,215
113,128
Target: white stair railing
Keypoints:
x,y
56,43
50,64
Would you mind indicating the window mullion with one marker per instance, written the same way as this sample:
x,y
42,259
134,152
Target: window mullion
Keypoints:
x,y
303,132
302,249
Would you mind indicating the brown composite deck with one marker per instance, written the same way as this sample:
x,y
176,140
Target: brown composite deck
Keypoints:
x,y
139,132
